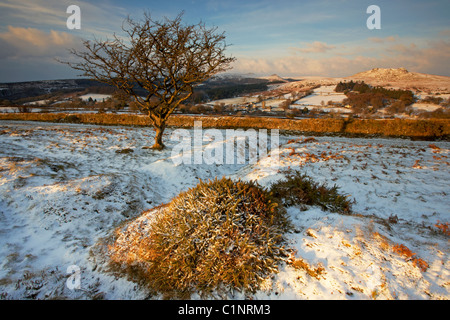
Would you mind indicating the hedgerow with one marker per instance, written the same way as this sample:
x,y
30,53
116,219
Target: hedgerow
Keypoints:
x,y
429,128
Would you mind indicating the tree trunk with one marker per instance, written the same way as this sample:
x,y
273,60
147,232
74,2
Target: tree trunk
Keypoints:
x,y
159,145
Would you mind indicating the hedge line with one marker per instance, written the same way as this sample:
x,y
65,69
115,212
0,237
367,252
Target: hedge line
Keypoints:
x,y
421,129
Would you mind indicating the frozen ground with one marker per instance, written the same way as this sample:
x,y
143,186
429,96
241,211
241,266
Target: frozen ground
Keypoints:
x,y
65,187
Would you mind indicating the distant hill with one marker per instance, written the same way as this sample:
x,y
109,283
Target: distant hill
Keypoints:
x,y
389,74
19,90
402,78
275,78
13,91
229,84
399,78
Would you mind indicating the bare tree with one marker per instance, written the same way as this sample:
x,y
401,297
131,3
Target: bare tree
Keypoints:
x,y
165,58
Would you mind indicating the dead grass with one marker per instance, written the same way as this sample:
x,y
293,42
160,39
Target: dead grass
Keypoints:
x,y
301,264
405,252
443,227
401,250
218,237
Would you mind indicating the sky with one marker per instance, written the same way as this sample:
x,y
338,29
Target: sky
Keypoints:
x,y
285,37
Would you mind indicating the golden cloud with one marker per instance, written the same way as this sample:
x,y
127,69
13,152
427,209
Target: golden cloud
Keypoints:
x,y
31,42
316,47
433,58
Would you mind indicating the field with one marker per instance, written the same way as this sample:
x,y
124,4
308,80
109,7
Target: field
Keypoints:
x,y
65,187
321,94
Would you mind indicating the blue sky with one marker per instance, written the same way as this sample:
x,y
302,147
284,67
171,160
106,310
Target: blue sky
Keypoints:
x,y
290,38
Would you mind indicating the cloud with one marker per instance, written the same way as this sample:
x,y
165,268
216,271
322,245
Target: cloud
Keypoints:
x,y
316,47
18,42
445,33
34,33
383,40
34,12
433,58
100,17
286,66
408,49
295,66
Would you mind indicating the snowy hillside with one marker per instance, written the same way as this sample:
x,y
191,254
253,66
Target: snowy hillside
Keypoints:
x,y
402,78
95,96
320,98
64,188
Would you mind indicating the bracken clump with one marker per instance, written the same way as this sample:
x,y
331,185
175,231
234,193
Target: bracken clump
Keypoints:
x,y
299,189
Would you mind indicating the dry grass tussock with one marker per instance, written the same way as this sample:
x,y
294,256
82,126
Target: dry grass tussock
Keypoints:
x,y
299,189
215,238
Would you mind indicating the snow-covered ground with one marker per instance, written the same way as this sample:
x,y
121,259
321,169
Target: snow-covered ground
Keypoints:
x,y
425,106
65,187
8,110
95,96
320,95
15,109
233,101
36,103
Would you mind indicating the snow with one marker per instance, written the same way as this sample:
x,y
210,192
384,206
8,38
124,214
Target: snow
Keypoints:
x,y
15,109
95,96
273,103
425,106
38,102
64,189
8,110
324,108
233,101
323,93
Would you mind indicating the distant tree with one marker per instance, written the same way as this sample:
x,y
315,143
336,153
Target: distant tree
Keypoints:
x,y
440,113
397,107
352,86
121,96
219,107
24,108
164,58
133,107
446,103
433,100
407,98
290,115
183,108
285,104
377,101
197,97
5,102
344,86
361,87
